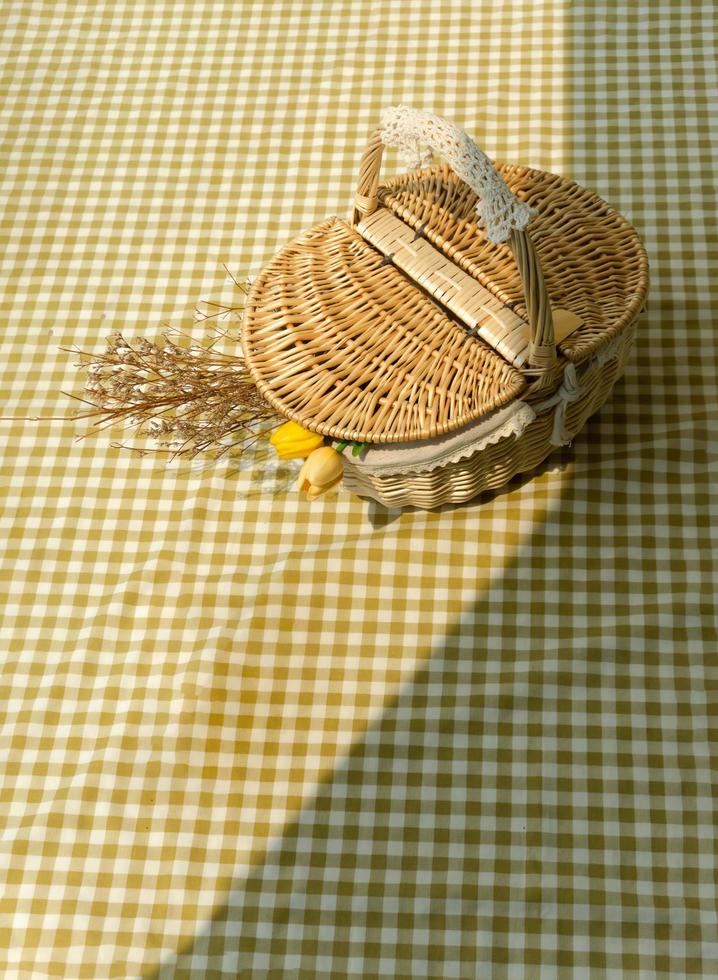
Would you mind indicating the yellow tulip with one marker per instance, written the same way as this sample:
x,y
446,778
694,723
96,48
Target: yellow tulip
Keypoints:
x,y
321,471
292,441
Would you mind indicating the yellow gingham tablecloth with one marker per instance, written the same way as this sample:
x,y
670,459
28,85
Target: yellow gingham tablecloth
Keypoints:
x,y
248,736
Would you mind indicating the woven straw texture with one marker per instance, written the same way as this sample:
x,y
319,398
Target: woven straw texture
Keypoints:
x,y
348,345
591,259
248,736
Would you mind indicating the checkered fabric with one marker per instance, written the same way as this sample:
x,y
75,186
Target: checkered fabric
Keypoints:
x,y
248,736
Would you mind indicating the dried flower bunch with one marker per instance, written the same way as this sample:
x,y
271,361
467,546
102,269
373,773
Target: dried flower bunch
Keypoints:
x,y
190,399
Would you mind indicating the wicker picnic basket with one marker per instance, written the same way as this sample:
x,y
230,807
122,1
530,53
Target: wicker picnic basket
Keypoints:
x,y
434,331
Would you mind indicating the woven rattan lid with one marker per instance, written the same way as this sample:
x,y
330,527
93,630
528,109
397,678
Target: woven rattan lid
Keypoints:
x,y
594,263
345,344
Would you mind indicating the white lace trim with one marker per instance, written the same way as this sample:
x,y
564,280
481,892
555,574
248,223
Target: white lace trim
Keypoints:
x,y
425,455
498,209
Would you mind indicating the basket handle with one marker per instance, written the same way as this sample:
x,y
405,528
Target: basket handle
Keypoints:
x,y
502,214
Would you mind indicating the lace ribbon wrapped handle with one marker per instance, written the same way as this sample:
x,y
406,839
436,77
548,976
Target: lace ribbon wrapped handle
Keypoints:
x,y
504,217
